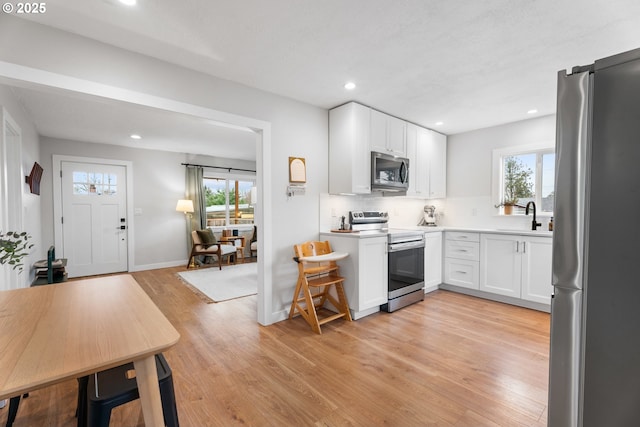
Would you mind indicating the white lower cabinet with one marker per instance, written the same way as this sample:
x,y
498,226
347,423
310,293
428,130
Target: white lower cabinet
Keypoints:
x,y
461,273
536,270
432,260
365,271
461,262
516,266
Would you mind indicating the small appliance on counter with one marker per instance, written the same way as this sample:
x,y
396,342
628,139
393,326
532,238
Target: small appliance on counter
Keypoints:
x,y
429,217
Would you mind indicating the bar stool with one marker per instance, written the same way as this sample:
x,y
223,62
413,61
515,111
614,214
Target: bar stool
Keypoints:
x,y
116,386
317,269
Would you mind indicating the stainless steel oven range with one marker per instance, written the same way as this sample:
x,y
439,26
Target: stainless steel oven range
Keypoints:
x,y
406,269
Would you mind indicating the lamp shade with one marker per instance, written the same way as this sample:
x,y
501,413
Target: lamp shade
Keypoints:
x,y
185,206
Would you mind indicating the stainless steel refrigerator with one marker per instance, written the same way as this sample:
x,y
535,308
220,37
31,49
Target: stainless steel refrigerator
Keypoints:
x,y
594,372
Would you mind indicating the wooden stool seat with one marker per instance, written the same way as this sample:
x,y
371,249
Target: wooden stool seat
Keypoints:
x,y
317,269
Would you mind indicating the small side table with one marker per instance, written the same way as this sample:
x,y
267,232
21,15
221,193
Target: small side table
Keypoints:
x,y
233,240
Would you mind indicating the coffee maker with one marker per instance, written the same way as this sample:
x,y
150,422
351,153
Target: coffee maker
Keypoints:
x,y
429,216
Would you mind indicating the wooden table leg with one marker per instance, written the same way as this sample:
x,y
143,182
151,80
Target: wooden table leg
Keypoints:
x,y
149,389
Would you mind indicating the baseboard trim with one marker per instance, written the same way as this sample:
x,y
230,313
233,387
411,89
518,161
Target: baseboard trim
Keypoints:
x,y
144,267
499,298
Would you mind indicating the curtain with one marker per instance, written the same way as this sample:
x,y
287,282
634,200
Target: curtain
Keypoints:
x,y
194,191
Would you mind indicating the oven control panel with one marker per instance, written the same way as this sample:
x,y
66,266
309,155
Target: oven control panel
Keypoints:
x,y
368,217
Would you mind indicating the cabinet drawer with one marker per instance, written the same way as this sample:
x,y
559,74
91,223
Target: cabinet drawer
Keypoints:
x,y
462,273
462,250
463,236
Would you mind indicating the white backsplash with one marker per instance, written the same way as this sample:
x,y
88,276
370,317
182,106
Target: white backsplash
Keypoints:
x,y
471,212
403,211
480,212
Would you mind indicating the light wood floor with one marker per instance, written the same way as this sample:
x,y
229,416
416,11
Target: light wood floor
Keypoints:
x,y
451,360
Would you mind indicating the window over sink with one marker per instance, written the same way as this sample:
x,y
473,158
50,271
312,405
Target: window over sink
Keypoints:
x,y
523,174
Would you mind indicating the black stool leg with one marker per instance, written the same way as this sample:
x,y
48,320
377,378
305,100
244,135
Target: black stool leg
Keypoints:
x,y
81,409
169,409
14,402
99,416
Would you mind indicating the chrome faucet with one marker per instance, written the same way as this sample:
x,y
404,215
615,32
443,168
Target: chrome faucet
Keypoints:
x,y
534,223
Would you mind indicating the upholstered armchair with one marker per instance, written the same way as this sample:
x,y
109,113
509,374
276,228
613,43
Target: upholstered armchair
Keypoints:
x,y
205,244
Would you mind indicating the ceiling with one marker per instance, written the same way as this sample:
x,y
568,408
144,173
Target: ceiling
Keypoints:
x,y
467,64
90,119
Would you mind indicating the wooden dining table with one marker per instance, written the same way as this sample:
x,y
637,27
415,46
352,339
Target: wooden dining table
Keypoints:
x,y
53,333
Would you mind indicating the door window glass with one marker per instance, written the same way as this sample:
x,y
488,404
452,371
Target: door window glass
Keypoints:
x,y
94,184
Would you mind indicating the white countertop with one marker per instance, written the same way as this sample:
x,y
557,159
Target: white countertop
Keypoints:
x,y
369,234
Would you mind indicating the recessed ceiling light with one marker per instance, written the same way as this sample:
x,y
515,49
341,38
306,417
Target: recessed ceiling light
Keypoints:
x,y
532,111
350,86
128,2
135,136
439,123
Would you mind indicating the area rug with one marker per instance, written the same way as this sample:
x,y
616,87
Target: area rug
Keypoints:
x,y
233,281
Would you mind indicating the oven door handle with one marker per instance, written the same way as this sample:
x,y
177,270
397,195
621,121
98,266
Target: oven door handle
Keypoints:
x,y
397,247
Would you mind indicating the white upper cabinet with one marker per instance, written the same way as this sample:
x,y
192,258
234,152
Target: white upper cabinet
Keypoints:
x,y
356,130
437,154
427,153
349,152
388,134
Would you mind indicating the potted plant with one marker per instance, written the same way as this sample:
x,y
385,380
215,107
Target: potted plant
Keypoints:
x,y
507,206
517,184
14,246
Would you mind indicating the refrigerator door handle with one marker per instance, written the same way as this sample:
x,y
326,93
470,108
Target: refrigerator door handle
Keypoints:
x,y
572,153
573,121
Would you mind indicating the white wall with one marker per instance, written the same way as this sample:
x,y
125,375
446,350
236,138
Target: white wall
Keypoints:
x,y
30,202
297,129
469,163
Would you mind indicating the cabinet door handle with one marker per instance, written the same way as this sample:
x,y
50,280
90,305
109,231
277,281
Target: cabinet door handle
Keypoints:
x,y
524,247
461,272
462,250
517,246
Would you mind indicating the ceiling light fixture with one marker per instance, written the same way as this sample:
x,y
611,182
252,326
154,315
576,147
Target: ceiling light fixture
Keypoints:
x,y
350,86
128,2
439,123
135,136
532,111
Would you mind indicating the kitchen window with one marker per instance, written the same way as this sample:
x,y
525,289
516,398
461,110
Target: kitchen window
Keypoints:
x,y
228,201
524,174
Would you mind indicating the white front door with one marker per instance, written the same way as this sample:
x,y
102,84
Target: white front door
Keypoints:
x,y
94,220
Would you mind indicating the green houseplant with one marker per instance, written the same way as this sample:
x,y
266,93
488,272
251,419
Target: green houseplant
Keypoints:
x,y
517,184
14,246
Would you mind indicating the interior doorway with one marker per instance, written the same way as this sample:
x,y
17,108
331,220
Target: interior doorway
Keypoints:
x,y
31,77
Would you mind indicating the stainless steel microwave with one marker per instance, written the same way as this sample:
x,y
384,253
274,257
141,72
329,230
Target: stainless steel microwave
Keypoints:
x,y
389,173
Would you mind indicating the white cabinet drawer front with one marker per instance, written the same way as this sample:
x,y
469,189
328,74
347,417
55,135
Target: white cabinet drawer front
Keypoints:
x,y
461,273
462,250
460,235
